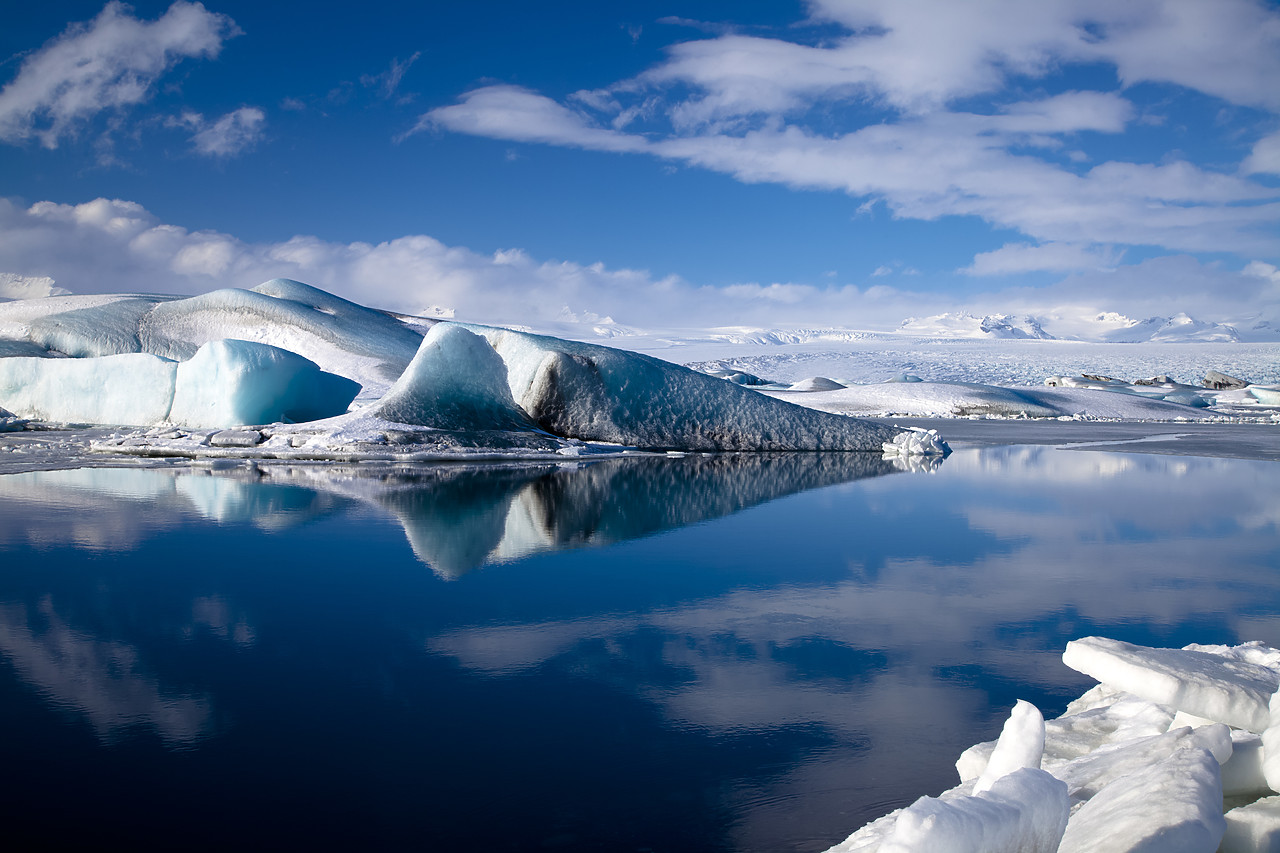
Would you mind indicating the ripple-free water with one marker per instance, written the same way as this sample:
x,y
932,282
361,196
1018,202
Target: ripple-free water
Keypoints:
x,y
703,653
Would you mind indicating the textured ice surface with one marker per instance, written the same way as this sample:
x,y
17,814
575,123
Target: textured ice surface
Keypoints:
x,y
1088,775
1171,806
456,381
132,389
594,393
1242,774
1254,828
1227,686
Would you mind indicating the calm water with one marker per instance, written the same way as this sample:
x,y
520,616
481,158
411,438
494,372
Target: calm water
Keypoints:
x,y
674,654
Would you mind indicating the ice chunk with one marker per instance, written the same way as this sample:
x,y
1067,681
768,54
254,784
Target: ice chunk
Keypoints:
x,y
1088,775
110,329
1271,744
1075,734
1021,744
1229,689
234,383
594,393
916,441
1254,828
456,381
1242,774
1023,812
134,389
1172,806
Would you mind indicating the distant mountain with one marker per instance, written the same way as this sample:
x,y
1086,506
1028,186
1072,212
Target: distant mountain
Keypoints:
x,y
1180,327
966,325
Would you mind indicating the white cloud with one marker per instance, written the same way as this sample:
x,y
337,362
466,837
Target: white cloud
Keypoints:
x,y
107,246
1049,257
1265,157
227,136
741,105
109,63
389,81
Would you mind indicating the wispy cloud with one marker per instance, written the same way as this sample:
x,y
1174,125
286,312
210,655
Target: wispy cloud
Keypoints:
x,y
233,133
388,81
108,64
1013,258
758,108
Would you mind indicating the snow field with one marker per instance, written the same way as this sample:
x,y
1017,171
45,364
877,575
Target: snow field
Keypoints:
x,y
1142,762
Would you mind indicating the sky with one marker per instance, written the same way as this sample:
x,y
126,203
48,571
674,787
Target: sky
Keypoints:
x,y
673,164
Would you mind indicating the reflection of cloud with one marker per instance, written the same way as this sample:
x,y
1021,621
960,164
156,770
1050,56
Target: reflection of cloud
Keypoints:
x,y
904,658
101,679
213,612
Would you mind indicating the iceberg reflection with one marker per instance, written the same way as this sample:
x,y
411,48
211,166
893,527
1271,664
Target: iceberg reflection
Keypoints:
x,y
456,518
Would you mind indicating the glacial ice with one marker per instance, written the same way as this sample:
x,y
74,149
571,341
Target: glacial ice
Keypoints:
x,y
134,388
457,382
230,383
226,383
594,393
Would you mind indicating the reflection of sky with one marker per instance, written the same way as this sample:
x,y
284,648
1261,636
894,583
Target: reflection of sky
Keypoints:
x,y
850,639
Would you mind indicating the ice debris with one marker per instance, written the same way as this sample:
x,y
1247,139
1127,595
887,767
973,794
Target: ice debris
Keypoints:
x,y
1159,757
916,441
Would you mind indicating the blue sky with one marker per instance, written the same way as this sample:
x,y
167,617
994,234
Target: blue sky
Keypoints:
x,y
662,163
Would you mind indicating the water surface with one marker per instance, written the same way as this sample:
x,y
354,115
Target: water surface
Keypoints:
x,y
698,653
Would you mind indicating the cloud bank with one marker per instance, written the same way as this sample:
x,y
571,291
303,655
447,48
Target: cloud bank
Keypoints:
x,y
109,246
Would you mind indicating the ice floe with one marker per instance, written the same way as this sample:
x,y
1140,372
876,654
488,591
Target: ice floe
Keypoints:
x,y
1163,755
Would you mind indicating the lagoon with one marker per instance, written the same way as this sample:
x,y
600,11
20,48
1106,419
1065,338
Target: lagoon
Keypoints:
x,y
756,652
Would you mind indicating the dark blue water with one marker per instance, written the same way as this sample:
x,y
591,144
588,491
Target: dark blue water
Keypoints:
x,y
722,653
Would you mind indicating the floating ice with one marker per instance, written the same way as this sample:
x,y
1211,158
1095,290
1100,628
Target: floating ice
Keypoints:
x,y
915,441
1133,782
1226,686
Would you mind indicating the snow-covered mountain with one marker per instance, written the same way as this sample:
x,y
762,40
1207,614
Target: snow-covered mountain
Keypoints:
x,y
965,325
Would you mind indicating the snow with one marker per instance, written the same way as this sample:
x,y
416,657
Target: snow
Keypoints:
x,y
916,441
964,399
1232,688
1132,777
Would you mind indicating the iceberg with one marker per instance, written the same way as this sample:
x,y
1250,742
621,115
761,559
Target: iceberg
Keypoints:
x,y
593,393
226,383
232,383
